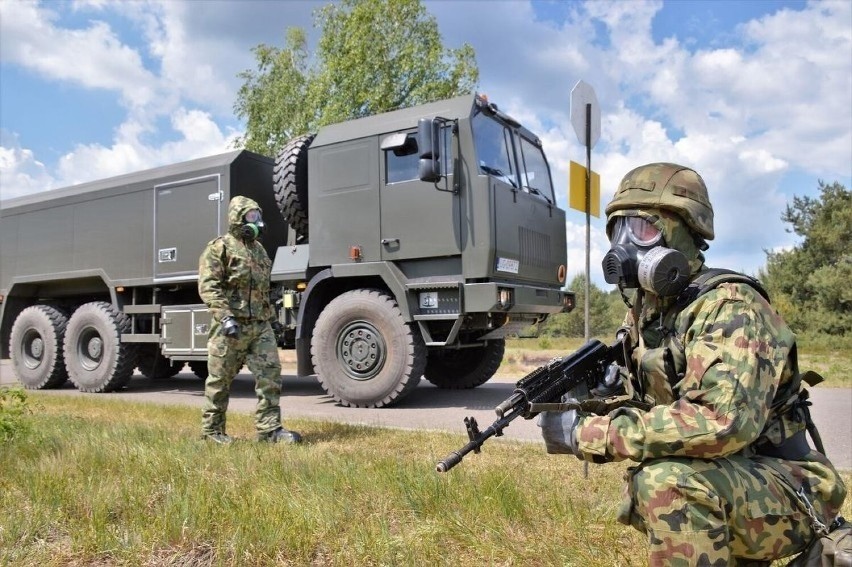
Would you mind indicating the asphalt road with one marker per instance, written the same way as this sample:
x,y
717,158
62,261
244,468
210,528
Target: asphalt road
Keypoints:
x,y
427,407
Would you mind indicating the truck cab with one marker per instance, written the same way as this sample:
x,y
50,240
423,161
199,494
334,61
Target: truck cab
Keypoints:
x,y
448,212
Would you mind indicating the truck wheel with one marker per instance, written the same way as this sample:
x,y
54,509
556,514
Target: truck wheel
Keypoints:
x,y
152,364
291,183
35,346
365,354
96,359
199,368
464,368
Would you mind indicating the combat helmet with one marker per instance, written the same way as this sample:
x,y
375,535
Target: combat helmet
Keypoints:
x,y
670,187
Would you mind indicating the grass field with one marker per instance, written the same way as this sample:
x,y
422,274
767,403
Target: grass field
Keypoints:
x,y
831,358
90,481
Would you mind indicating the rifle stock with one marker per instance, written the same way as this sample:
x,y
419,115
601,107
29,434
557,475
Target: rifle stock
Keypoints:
x,y
544,385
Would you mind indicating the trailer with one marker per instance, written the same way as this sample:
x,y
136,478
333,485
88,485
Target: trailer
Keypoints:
x,y
405,245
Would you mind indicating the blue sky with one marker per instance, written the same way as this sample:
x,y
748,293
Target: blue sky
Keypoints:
x,y
756,95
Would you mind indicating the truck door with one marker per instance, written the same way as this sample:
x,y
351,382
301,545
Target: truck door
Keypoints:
x,y
417,220
186,218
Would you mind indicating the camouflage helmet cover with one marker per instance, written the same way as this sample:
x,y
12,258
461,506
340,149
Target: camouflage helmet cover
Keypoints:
x,y
670,187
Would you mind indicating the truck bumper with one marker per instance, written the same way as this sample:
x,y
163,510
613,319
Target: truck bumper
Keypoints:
x,y
507,298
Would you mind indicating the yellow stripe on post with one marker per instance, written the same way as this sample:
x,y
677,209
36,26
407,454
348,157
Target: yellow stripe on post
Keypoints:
x,y
577,190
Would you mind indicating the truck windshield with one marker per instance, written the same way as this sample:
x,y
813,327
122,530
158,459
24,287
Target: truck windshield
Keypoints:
x,y
535,175
496,147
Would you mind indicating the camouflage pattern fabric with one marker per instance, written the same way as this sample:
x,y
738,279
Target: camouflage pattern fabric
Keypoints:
x,y
702,494
731,511
233,274
255,348
234,281
667,186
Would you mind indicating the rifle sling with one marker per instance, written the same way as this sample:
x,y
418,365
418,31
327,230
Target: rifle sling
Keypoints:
x,y
553,406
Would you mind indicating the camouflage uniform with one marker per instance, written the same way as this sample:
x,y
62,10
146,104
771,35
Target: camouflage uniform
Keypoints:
x,y
705,490
233,280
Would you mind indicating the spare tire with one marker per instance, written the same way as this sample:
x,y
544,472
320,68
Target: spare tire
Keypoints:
x,y
291,183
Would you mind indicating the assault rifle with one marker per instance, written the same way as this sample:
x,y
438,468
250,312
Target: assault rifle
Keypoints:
x,y
540,389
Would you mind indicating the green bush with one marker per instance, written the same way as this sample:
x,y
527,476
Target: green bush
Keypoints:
x,y
14,407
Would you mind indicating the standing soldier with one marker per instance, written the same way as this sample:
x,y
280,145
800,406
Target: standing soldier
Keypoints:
x,y
233,280
725,473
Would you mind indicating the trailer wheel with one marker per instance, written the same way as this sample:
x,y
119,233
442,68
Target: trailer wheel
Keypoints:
x,y
96,359
153,365
365,354
199,368
465,368
35,346
291,183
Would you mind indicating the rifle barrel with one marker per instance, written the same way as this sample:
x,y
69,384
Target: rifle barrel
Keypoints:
x,y
456,457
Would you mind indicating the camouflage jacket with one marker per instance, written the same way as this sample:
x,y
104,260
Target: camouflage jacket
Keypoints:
x,y
233,273
711,380
711,374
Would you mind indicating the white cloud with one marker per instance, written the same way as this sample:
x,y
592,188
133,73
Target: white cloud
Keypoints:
x,y
20,172
93,57
200,136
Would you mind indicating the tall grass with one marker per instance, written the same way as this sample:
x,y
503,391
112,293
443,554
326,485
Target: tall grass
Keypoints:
x,y
831,357
109,482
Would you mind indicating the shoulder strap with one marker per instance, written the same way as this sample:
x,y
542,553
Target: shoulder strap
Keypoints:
x,y
710,279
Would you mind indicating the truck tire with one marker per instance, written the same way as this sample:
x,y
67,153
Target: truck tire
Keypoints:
x,y
199,368
465,368
291,183
365,354
96,359
35,346
153,365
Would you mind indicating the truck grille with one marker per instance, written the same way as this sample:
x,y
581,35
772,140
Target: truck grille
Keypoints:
x,y
534,247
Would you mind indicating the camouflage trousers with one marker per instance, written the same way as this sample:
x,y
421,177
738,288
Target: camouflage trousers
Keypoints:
x,y
731,511
255,348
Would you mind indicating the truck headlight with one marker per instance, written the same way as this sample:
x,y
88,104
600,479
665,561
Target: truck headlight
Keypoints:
x,y
505,298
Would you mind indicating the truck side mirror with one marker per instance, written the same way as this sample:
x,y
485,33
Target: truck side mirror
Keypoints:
x,y
429,147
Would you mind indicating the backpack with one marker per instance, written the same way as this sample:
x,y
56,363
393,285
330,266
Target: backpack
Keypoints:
x,y
831,548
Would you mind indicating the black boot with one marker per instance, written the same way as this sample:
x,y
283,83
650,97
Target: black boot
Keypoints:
x,y
218,438
279,435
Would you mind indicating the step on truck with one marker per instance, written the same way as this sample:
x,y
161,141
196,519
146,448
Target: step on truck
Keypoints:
x,y
407,244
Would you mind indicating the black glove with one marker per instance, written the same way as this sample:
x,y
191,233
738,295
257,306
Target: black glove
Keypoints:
x,y
278,329
230,328
611,383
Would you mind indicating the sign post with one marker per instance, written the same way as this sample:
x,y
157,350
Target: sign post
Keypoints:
x,y
586,119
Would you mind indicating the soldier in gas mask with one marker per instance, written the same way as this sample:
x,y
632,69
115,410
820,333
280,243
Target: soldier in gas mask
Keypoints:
x,y
717,413
233,281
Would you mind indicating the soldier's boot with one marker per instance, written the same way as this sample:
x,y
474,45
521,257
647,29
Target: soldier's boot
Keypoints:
x,y
279,435
219,438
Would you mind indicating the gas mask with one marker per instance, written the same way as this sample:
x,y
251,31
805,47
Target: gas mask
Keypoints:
x,y
639,259
253,225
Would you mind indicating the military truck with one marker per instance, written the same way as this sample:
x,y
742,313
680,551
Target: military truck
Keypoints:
x,y
405,244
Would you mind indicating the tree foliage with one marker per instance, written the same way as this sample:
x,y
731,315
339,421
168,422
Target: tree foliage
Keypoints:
x,y
810,283
606,312
372,56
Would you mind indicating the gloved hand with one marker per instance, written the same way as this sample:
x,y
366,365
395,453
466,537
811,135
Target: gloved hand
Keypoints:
x,y
277,328
230,327
559,431
611,384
